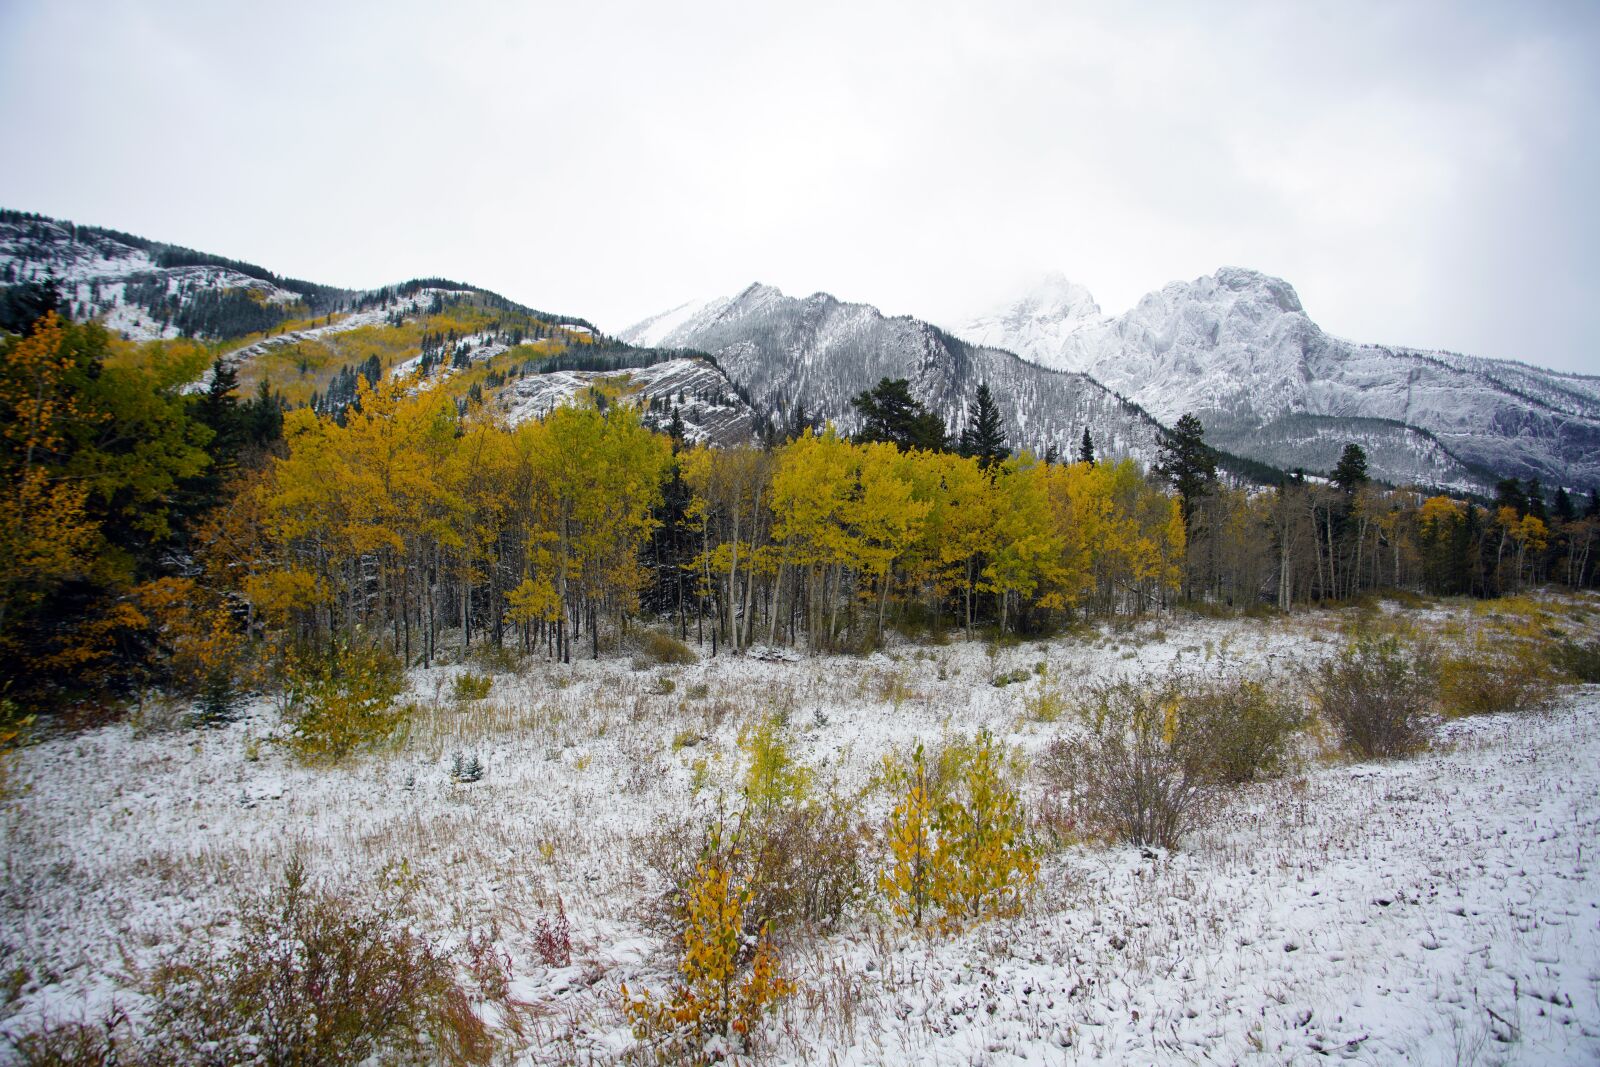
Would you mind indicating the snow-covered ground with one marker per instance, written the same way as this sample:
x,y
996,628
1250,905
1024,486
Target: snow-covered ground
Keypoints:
x,y
1444,909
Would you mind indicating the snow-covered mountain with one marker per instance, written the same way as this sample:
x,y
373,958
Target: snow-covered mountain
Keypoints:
x,y
1036,323
711,412
815,353
1238,349
147,290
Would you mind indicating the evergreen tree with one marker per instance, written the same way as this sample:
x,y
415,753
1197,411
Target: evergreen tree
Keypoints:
x,y
1508,494
891,414
1563,505
1189,464
263,416
1594,504
1350,473
1086,448
23,305
1536,505
984,439
1052,454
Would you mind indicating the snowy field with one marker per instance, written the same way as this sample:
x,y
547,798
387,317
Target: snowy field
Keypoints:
x,y
1441,910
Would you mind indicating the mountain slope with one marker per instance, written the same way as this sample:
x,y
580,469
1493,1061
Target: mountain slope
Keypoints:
x,y
1238,349
814,354
310,342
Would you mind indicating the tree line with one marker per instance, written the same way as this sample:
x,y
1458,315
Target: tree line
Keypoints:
x,y
154,536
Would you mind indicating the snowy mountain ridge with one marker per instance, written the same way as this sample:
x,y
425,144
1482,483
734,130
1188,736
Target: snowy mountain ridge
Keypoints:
x,y
1237,348
817,352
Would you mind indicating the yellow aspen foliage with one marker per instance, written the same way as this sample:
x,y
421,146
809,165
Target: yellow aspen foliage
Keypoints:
x,y
722,993
965,854
46,536
200,648
915,864
991,862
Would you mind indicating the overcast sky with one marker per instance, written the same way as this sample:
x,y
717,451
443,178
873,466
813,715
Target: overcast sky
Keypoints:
x,y
1423,173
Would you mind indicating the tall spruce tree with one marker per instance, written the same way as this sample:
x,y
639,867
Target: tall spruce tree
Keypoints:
x,y
1086,448
1350,473
1188,464
984,438
1563,505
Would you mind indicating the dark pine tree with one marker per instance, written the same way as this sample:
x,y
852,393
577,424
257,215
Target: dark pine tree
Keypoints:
x,y
263,416
890,413
1536,505
1086,448
1508,494
984,438
1350,473
1563,505
26,303
1188,464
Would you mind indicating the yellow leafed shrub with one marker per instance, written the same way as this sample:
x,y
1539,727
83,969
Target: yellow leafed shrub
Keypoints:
x,y
341,700
724,990
964,853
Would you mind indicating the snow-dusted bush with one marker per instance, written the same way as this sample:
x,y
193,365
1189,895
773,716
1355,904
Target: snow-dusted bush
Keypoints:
x,y
469,686
796,848
1579,661
1234,730
1131,777
664,648
314,978
728,980
1379,694
1497,673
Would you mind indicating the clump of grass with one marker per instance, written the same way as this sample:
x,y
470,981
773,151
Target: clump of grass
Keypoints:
x,y
1044,702
664,648
468,687
1579,661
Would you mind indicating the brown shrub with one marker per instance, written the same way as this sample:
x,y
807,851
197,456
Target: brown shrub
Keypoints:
x,y
1378,694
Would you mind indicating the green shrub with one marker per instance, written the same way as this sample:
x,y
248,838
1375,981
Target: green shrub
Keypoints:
x,y
664,648
1378,695
468,687
1234,731
341,700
